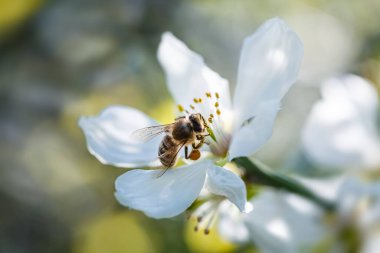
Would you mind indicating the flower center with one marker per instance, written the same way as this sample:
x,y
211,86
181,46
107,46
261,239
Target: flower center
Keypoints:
x,y
210,108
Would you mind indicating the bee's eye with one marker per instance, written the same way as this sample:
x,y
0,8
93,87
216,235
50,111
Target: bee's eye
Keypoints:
x,y
197,127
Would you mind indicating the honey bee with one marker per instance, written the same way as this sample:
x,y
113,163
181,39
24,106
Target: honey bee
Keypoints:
x,y
186,130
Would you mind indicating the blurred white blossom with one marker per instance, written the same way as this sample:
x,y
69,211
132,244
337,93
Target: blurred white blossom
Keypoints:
x,y
279,222
283,222
342,131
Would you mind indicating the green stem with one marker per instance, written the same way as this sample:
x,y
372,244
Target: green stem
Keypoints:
x,y
261,174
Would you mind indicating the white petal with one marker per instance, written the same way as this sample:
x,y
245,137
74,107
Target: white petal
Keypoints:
x,y
371,243
188,77
164,196
249,138
349,195
356,91
283,223
231,224
226,183
372,216
269,64
108,137
360,200
341,128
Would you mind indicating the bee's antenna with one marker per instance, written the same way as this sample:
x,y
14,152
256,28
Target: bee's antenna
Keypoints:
x,y
204,121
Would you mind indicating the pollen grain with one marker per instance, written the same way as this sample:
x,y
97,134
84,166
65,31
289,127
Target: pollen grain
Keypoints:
x,y
180,108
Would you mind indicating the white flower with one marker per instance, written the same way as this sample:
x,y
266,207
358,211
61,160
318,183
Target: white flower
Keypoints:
x,y
341,130
269,63
279,222
359,204
358,210
283,222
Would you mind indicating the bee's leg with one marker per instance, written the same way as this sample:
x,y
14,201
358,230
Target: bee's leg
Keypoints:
x,y
199,145
166,169
202,136
186,152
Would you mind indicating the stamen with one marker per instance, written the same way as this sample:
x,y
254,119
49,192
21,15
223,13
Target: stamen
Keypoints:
x,y
195,100
218,112
180,108
206,215
216,104
217,95
211,115
192,107
200,100
210,120
207,229
208,94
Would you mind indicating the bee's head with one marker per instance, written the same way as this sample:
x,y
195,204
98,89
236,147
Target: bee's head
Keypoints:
x,y
198,123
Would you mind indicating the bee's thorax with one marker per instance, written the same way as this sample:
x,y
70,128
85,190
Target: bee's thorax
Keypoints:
x,y
182,130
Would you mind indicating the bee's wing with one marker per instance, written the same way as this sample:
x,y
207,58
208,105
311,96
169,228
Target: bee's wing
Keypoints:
x,y
148,133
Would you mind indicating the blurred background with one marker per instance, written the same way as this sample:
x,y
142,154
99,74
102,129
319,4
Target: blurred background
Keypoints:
x,y
61,59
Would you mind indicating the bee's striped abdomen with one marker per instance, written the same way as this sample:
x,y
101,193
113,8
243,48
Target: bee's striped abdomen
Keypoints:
x,y
167,151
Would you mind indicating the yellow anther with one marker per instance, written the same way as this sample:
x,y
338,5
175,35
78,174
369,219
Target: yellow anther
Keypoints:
x,y
195,100
200,100
192,107
211,115
218,112
216,94
216,104
180,108
208,94
210,120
